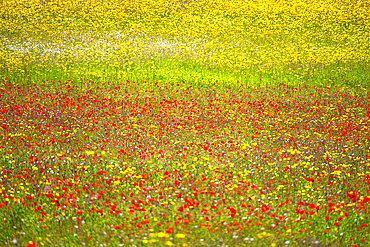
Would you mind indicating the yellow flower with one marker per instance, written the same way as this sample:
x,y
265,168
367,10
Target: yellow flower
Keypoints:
x,y
169,243
161,235
89,152
337,172
180,235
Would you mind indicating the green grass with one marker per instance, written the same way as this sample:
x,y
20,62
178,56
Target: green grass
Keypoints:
x,y
171,70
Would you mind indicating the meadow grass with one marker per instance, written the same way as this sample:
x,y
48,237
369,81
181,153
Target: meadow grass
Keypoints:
x,y
184,123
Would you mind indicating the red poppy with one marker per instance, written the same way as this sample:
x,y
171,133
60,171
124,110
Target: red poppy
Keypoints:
x,y
31,244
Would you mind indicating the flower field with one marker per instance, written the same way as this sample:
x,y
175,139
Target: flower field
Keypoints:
x,y
184,123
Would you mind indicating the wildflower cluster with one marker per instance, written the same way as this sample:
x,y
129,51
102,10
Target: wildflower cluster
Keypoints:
x,y
184,123
115,163
320,42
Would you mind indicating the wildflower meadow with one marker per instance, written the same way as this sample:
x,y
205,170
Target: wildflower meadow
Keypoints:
x,y
184,123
